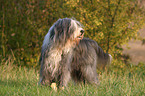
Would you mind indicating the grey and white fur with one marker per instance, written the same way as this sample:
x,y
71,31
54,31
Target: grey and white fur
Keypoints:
x,y
87,56
66,55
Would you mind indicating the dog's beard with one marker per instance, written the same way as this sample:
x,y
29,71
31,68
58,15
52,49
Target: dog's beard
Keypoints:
x,y
78,39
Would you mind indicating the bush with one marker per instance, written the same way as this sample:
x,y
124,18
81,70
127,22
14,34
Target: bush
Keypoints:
x,y
24,24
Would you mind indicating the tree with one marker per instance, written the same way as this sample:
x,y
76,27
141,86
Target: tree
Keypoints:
x,y
24,24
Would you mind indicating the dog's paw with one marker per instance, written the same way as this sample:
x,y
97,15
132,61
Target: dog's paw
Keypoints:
x,y
53,86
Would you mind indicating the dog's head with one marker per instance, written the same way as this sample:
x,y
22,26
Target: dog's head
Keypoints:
x,y
64,31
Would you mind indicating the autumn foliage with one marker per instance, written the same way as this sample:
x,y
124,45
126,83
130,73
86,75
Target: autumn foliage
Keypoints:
x,y
24,23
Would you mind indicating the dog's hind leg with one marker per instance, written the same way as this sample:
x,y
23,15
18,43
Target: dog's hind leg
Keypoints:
x,y
90,74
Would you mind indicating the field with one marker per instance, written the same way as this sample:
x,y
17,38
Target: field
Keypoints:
x,y
117,80
111,23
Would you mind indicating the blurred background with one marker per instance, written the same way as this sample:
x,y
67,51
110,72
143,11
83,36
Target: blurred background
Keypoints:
x,y
117,26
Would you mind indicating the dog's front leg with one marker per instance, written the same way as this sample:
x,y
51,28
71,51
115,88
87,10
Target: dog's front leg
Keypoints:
x,y
64,77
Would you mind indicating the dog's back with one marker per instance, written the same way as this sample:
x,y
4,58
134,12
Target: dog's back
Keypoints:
x,y
87,47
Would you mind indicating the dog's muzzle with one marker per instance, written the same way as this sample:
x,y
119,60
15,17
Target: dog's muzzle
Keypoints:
x,y
81,34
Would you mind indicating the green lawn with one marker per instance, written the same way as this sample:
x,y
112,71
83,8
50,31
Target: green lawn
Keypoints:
x,y
22,81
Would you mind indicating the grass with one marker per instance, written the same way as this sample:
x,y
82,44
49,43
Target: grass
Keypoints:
x,y
22,81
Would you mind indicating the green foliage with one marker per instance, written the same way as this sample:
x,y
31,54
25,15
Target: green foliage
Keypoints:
x,y
119,80
24,23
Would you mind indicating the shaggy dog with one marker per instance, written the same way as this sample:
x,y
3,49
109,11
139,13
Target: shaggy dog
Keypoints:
x,y
67,55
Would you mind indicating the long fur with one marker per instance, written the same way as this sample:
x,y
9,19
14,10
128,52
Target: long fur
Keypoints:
x,y
66,54
57,49
87,56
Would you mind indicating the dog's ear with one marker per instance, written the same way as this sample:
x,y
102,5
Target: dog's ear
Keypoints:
x,y
62,30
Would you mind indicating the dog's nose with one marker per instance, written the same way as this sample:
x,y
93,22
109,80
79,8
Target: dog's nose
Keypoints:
x,y
82,31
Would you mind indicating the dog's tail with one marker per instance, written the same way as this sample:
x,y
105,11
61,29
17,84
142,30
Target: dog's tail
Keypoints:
x,y
104,59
